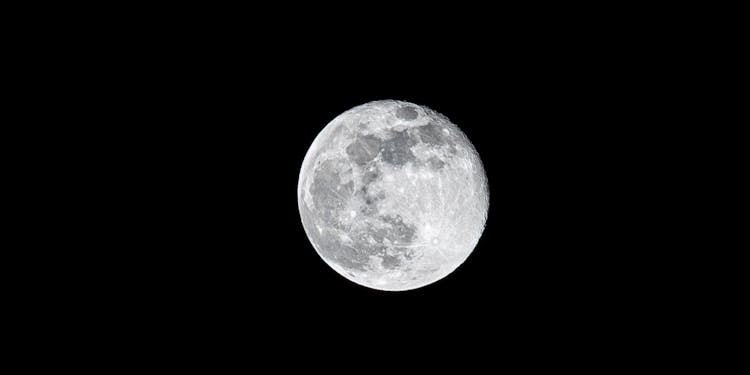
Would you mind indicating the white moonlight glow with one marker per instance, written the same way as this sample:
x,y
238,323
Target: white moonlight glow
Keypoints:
x,y
392,195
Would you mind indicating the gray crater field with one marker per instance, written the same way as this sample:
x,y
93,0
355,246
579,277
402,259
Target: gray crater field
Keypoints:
x,y
392,195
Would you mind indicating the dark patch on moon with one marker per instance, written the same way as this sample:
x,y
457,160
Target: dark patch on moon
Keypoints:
x,y
328,194
435,163
368,197
397,150
406,113
351,258
363,149
372,238
370,202
369,208
400,232
431,134
390,262
370,176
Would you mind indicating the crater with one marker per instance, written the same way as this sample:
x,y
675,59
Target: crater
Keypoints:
x,y
407,113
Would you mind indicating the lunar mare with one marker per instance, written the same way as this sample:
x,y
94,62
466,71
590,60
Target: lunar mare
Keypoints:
x,y
392,195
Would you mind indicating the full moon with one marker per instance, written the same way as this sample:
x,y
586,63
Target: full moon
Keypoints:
x,y
392,195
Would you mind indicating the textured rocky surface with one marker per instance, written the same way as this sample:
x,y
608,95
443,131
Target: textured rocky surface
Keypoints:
x,y
392,195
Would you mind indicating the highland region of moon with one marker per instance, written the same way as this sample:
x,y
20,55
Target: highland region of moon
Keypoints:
x,y
392,195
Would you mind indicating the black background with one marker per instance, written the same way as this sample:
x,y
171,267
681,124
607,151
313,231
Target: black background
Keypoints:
x,y
166,142
209,126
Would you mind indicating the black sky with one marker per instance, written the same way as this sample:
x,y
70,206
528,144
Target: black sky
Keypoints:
x,y
213,127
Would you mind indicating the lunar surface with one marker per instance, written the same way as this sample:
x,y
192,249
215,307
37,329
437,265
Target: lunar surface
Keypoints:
x,y
392,195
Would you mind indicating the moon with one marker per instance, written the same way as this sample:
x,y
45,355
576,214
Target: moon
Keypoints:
x,y
392,195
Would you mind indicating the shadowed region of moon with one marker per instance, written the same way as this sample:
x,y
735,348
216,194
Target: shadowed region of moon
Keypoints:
x,y
392,195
